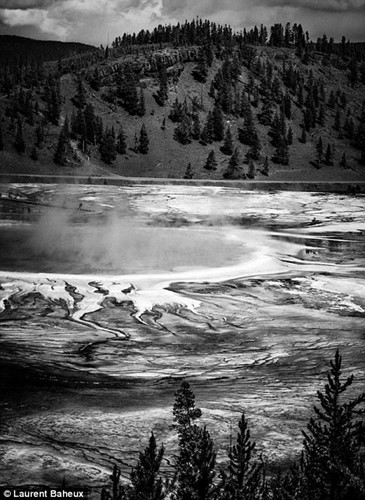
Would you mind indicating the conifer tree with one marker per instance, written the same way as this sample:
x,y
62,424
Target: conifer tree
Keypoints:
x,y
251,169
39,132
289,137
121,144
200,71
233,170
206,137
19,142
245,477
320,150
328,156
281,152
343,162
146,483
63,146
227,147
266,166
95,81
332,466
34,154
143,140
287,105
321,116
107,147
80,96
184,410
303,137
196,460
1,138
332,100
337,124
211,163
182,132
189,172
266,115
195,131
247,133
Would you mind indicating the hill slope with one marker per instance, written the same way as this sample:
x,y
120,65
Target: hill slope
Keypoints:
x,y
16,50
313,94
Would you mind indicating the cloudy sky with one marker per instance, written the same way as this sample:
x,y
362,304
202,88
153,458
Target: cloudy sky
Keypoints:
x,y
96,21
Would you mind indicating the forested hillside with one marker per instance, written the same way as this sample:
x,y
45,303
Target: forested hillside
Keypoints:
x,y
191,101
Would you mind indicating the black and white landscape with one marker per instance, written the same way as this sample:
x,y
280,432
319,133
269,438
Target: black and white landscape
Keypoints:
x,y
111,296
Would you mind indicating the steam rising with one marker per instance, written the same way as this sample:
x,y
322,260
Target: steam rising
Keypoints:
x,y
113,244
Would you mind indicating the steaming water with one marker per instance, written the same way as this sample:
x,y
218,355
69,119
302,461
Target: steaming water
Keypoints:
x,y
110,296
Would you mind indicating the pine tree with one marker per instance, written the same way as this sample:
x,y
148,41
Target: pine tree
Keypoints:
x,y
337,124
275,129
211,163
343,162
332,466
206,137
329,156
196,459
195,131
19,142
63,146
251,169
95,81
107,147
182,132
121,144
184,410
146,484
321,116
233,170
332,100
200,72
189,172
195,465
143,140
1,138
247,133
281,152
80,97
320,150
303,137
266,115
227,147
34,154
126,89
245,477
39,132
287,105
289,137
266,166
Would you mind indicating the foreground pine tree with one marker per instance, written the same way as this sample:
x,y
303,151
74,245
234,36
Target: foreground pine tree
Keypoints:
x,y
245,478
194,469
146,483
333,467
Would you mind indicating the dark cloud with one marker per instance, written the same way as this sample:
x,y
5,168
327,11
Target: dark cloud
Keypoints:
x,y
25,4
334,17
171,7
92,21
